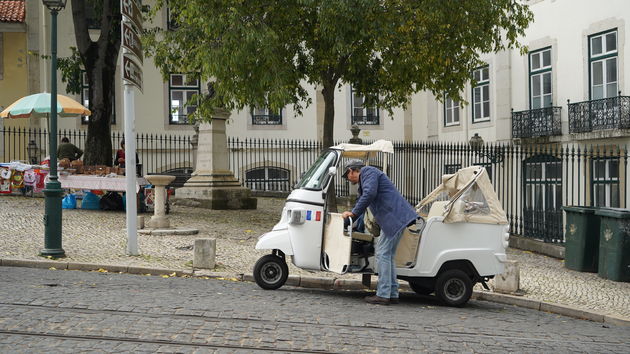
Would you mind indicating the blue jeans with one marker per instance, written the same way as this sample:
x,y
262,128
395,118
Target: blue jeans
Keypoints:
x,y
385,251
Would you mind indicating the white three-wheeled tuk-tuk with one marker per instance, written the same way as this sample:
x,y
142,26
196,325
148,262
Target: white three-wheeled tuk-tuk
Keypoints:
x,y
459,238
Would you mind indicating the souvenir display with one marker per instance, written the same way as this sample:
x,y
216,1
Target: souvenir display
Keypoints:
x,y
30,178
17,180
5,186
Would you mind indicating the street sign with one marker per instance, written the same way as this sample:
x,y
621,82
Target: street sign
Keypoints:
x,y
131,41
131,9
132,72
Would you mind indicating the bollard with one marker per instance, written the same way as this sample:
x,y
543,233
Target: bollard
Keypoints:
x,y
508,282
140,223
204,253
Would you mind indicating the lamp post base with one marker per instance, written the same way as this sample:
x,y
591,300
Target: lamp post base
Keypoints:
x,y
52,219
53,252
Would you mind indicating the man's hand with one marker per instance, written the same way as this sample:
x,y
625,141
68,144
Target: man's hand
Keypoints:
x,y
347,214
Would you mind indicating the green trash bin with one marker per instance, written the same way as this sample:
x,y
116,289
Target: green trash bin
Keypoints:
x,y
614,244
581,238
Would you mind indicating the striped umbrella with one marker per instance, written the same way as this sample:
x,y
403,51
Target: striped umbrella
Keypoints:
x,y
38,105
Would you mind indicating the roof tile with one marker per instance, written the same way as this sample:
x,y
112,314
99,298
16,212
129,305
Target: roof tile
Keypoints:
x,y
12,11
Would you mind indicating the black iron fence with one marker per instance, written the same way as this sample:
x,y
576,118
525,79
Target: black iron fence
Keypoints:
x,y
532,182
157,153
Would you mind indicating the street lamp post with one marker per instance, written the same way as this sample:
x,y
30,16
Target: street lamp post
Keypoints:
x,y
53,191
495,155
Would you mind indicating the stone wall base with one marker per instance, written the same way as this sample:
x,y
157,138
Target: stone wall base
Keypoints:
x,y
528,244
218,198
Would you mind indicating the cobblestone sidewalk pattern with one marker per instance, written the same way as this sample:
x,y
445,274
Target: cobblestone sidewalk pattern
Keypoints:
x,y
99,237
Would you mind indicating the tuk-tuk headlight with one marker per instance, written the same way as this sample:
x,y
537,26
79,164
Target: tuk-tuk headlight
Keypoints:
x,y
296,216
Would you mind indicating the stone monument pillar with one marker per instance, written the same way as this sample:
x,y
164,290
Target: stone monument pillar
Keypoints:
x,y
212,185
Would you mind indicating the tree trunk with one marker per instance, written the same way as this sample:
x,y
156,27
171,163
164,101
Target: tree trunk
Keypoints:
x,y
329,113
329,119
99,61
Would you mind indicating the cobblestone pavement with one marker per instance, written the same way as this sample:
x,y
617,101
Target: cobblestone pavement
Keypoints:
x,y
70,311
100,237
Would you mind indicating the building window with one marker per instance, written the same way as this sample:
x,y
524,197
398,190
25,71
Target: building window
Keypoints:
x,y
181,90
267,179
605,180
171,22
363,113
540,95
451,112
602,49
93,11
266,116
85,99
452,168
481,94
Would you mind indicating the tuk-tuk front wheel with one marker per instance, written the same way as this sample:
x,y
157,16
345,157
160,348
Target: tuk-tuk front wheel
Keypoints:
x,y
271,272
453,287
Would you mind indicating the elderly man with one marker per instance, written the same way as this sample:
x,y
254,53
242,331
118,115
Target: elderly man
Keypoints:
x,y
392,213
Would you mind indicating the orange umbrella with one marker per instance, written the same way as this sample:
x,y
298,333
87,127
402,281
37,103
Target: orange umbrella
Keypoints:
x,y
38,105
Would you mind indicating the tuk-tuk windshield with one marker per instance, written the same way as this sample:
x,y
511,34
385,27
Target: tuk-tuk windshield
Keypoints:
x,y
317,176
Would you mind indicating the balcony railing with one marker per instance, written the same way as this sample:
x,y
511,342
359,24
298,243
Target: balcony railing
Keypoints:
x,y
266,119
366,120
602,114
536,122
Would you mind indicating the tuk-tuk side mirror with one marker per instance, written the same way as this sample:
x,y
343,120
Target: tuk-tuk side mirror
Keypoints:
x,y
332,170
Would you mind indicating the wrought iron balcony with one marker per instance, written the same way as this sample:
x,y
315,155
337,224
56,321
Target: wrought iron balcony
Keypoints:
x,y
266,119
536,122
602,114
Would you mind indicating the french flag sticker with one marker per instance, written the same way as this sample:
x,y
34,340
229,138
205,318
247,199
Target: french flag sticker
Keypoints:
x,y
308,215
318,215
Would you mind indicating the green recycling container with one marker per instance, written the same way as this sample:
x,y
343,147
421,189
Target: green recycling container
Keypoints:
x,y
581,238
614,244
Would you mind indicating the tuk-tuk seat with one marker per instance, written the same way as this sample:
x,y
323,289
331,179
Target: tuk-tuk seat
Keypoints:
x,y
362,236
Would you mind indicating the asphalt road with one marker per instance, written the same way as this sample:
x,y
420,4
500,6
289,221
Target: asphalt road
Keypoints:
x,y
72,311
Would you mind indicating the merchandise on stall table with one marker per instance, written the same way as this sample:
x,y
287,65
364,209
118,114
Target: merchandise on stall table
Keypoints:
x,y
17,180
30,178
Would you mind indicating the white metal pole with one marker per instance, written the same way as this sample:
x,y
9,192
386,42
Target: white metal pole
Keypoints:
x,y
130,171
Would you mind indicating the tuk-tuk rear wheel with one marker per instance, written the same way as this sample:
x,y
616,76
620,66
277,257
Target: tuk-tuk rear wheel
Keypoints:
x,y
271,272
454,287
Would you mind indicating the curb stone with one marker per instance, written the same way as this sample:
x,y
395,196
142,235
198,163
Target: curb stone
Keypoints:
x,y
323,283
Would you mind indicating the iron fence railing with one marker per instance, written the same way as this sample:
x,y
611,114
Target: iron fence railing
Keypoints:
x,y
532,182
607,113
157,153
537,122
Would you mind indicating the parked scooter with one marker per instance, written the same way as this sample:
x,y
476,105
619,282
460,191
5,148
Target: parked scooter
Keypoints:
x,y
459,238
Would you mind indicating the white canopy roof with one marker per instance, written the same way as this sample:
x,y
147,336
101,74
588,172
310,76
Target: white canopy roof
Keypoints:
x,y
358,150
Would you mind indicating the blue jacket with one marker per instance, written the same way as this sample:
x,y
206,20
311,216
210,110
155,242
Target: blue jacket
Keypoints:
x,y
392,212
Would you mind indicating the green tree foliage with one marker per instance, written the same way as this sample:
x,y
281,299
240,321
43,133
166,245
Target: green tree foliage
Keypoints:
x,y
265,52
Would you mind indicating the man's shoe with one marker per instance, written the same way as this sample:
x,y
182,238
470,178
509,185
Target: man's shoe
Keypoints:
x,y
394,300
377,300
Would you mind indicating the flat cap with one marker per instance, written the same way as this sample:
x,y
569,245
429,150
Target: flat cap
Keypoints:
x,y
352,163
